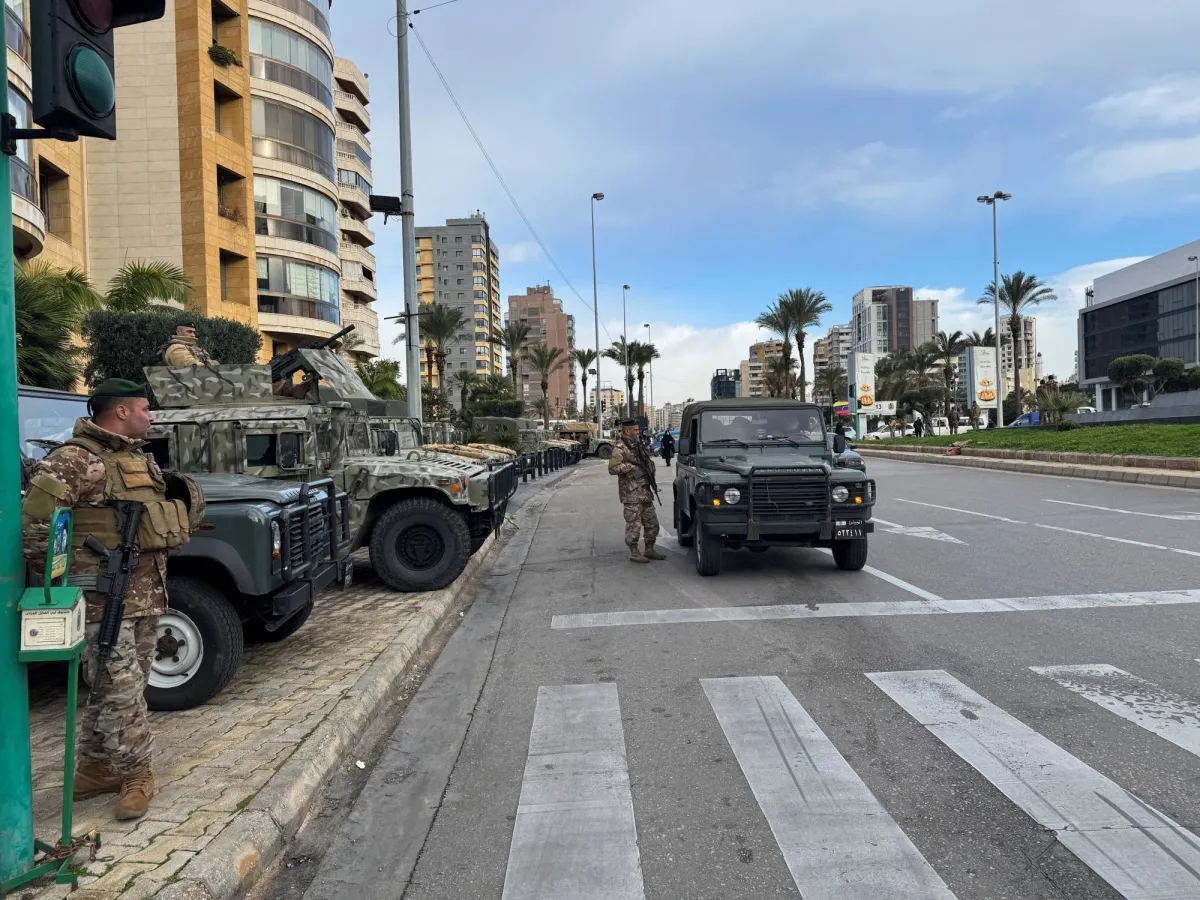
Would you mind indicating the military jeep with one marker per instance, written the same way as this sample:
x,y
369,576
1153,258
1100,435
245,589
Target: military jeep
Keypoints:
x,y
757,473
421,517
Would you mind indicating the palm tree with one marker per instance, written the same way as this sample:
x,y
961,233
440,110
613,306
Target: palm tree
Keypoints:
x,y
777,376
382,378
584,358
138,284
778,320
545,361
50,305
438,324
1018,293
832,382
493,387
987,339
946,349
624,353
643,355
512,337
806,307
466,381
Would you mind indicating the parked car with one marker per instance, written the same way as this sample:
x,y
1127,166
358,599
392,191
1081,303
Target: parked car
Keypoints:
x,y
1026,420
848,458
884,433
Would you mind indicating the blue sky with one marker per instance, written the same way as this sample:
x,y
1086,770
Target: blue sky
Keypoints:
x,y
749,148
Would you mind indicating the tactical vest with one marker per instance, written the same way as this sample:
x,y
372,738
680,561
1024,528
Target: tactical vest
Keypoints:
x,y
130,476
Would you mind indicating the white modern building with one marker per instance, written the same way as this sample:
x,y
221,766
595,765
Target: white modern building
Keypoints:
x,y
890,320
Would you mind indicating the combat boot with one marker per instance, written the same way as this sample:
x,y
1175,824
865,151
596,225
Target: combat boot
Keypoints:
x,y
94,778
635,555
136,792
652,552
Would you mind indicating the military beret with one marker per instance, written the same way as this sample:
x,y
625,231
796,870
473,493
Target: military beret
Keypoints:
x,y
626,423
120,387
186,323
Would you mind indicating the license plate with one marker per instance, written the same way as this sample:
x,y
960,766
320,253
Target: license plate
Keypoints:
x,y
848,529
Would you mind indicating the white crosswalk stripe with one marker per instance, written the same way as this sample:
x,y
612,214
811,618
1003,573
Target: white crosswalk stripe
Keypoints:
x,y
837,839
1140,852
1166,713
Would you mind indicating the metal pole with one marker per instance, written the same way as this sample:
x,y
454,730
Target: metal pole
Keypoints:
x,y
650,341
596,314
625,341
16,779
1196,260
408,244
996,284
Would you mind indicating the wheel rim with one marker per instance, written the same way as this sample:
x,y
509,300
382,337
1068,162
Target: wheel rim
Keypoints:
x,y
178,652
420,547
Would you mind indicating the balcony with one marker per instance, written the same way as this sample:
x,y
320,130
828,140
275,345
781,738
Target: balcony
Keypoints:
x,y
351,108
355,198
306,11
360,288
300,307
357,230
352,252
348,132
289,229
352,78
28,221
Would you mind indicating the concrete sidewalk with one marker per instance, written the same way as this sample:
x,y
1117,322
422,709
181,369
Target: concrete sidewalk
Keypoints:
x,y
1166,472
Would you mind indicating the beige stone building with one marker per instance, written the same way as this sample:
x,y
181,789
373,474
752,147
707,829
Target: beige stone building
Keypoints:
x,y
226,170
548,324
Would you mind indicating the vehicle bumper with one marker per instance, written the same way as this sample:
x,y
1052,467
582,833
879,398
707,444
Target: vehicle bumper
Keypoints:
x,y
739,529
292,598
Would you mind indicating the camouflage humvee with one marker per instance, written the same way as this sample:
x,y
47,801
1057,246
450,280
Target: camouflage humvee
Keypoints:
x,y
420,515
527,436
398,435
587,434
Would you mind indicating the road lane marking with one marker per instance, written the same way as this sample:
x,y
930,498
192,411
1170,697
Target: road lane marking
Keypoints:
x,y
1161,711
1140,852
574,834
890,579
921,531
965,512
1176,517
693,615
838,841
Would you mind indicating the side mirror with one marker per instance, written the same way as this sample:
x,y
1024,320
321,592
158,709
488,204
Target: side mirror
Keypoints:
x,y
288,452
839,444
389,443
684,446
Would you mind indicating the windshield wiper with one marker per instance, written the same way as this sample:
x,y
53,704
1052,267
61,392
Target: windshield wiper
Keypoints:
x,y
728,441
783,437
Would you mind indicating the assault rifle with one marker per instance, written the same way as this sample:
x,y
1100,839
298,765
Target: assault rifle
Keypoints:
x,y
287,364
113,582
646,464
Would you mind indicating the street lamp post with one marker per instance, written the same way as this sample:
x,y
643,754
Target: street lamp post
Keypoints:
x,y
1196,260
646,325
596,307
992,201
625,341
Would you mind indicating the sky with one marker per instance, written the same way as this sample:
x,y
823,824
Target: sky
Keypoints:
x,y
746,149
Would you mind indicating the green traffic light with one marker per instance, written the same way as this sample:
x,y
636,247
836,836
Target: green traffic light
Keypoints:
x,y
92,81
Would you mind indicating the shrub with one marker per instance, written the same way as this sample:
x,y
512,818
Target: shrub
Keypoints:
x,y
508,409
120,344
223,56
1068,425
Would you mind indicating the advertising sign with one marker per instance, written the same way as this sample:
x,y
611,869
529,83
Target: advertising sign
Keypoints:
x,y
984,389
862,388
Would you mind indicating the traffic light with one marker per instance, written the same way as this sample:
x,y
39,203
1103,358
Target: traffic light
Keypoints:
x,y
74,89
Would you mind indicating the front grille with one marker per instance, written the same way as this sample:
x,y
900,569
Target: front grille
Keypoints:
x,y
790,498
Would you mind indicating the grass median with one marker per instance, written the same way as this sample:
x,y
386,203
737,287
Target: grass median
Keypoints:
x,y
1123,440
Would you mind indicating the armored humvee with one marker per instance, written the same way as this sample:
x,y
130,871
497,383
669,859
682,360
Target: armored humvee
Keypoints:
x,y
527,436
587,435
421,516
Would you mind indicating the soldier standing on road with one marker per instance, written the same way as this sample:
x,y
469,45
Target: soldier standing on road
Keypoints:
x,y
182,349
103,462
634,490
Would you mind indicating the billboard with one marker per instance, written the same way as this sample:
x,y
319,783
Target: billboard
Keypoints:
x,y
983,388
862,385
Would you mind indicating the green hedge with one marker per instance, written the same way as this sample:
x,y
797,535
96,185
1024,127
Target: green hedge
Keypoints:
x,y
120,344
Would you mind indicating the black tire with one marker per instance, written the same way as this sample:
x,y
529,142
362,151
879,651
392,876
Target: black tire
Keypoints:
x,y
850,556
683,528
708,553
205,611
256,631
604,451
420,544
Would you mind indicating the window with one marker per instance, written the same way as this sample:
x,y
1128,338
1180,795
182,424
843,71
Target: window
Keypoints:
x,y
292,135
458,254
477,254
364,157
476,239
346,176
459,267
462,351
458,281
443,239
260,450
55,199
481,364
459,295
293,287
15,35
289,210
286,57
458,239
418,270
477,267
479,282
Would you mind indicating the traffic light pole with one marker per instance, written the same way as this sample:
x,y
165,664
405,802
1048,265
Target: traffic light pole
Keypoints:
x,y
16,779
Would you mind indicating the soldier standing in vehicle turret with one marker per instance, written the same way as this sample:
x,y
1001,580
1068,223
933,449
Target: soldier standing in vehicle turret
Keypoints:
x,y
634,490
103,462
183,350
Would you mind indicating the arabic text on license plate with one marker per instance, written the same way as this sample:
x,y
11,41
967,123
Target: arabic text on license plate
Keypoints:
x,y
848,529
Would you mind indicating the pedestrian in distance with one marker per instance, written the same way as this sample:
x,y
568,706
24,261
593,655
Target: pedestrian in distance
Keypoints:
x,y
840,429
952,420
183,350
918,427
633,468
100,464
666,445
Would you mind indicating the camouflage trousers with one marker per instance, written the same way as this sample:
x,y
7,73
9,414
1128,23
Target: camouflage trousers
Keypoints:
x,y
640,517
114,727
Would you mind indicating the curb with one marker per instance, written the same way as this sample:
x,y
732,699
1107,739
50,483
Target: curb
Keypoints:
x,y
1127,474
240,854
1106,460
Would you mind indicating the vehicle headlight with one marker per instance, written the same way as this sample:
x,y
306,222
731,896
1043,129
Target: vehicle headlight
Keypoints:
x,y
276,539
871,491
733,495
840,494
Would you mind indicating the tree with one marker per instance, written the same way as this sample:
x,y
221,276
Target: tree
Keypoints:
x,y
438,324
465,381
1053,402
382,378
831,381
511,338
493,387
1018,294
806,307
585,359
777,376
545,361
643,355
1168,376
946,349
138,284
50,306
624,354
778,320
1133,373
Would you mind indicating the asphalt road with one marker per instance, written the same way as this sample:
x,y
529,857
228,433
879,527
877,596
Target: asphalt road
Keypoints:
x,y
598,729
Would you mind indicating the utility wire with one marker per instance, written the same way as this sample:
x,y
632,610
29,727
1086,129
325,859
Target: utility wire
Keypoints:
x,y
496,171
435,6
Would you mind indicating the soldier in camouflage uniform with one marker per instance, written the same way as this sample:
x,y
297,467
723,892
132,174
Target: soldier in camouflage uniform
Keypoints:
x,y
100,463
182,349
634,490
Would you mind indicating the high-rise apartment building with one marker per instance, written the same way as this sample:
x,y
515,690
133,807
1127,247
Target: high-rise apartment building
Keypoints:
x,y
726,383
224,165
458,266
548,324
1026,355
668,417
612,400
890,320
750,376
820,350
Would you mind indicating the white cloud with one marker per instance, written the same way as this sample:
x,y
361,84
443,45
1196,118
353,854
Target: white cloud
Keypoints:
x,y
1139,160
1171,101
521,252
876,177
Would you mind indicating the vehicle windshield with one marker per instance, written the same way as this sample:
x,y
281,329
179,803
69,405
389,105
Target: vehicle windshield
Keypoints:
x,y
49,419
785,426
